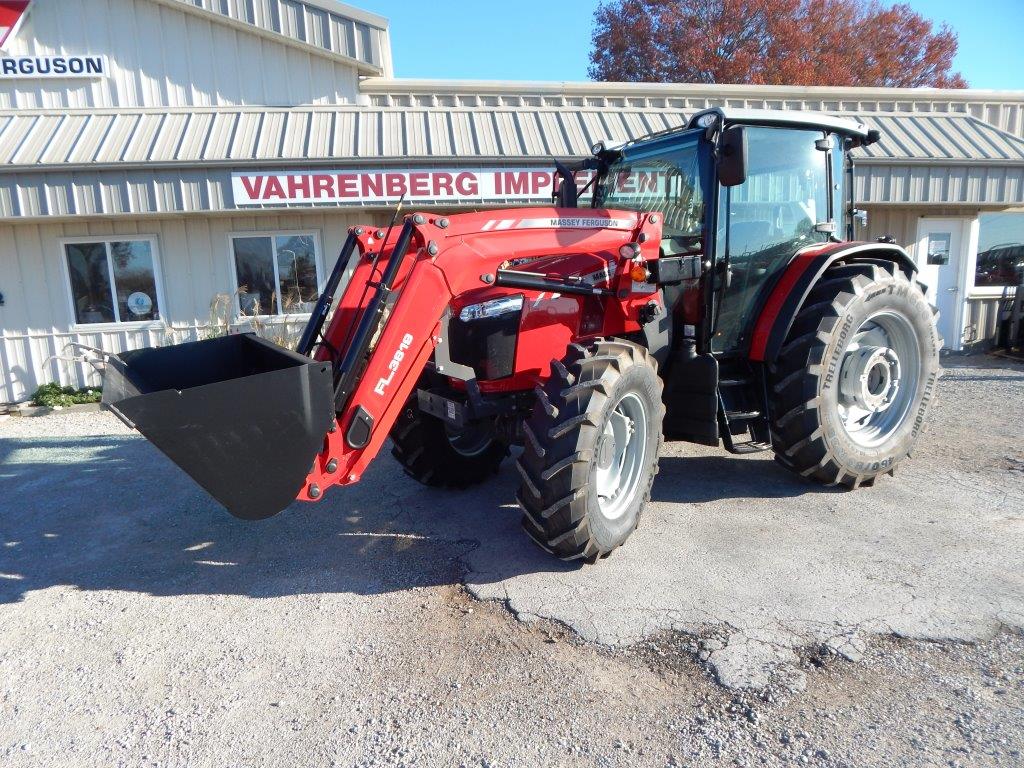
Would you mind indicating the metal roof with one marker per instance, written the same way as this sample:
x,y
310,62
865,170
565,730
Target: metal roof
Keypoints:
x,y
132,162
323,25
39,140
34,140
1003,109
939,139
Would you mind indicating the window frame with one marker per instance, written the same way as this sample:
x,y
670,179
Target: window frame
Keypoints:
x,y
974,291
154,249
273,234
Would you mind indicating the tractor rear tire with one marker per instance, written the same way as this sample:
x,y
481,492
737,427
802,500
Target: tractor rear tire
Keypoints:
x,y
590,449
436,455
854,382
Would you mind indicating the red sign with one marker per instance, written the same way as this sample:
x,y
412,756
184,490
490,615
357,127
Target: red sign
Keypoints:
x,y
360,187
11,13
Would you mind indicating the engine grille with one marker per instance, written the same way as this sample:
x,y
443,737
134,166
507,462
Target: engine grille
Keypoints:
x,y
488,345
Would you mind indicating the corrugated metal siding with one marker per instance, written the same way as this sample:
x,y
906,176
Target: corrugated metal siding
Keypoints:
x,y
940,184
331,30
898,223
164,191
36,321
982,320
140,192
161,55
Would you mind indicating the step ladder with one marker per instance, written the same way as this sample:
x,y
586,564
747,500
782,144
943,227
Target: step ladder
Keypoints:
x,y
728,419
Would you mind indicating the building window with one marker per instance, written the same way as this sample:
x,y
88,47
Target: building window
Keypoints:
x,y
113,281
276,274
1000,250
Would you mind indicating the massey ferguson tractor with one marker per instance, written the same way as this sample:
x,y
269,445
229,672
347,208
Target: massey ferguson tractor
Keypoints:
x,y
703,285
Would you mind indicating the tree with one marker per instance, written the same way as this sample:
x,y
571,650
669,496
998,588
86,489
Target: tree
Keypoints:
x,y
771,42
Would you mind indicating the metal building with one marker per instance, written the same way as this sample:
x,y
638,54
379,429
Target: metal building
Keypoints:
x,y
168,165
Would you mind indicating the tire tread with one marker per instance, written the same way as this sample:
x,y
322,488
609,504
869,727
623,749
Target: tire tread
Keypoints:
x,y
560,440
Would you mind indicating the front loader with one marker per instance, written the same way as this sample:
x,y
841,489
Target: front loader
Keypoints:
x,y
711,292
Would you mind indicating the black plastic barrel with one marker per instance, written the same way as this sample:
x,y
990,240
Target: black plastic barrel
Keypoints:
x,y
244,417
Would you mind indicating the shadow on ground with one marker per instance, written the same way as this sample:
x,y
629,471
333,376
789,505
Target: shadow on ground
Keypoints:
x,y
112,513
699,479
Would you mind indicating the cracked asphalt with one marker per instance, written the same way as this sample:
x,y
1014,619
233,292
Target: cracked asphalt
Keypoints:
x,y
751,620
778,565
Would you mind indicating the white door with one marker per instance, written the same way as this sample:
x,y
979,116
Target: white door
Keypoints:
x,y
940,259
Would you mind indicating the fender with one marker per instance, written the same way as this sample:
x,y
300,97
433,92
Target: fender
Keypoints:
x,y
791,290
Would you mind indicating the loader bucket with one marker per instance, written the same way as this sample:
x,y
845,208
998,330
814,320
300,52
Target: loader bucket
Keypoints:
x,y
244,417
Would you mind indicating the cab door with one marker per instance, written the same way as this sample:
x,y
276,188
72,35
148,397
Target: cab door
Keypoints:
x,y
784,205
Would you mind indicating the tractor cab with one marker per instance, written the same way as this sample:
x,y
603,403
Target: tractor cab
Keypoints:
x,y
742,192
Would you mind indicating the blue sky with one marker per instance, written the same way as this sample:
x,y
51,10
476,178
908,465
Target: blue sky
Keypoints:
x,y
550,39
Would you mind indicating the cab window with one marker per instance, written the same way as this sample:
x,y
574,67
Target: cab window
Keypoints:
x,y
763,222
666,178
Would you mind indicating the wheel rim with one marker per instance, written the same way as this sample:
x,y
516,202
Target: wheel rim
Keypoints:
x,y
468,441
878,378
621,451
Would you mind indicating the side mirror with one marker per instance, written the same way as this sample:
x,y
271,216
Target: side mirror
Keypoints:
x,y
732,156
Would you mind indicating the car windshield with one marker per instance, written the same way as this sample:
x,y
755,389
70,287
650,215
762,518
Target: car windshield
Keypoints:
x,y
664,176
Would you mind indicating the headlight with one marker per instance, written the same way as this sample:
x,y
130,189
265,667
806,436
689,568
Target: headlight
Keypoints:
x,y
491,308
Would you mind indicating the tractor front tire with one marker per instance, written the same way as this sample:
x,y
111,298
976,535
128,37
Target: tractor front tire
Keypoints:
x,y
590,449
437,455
854,382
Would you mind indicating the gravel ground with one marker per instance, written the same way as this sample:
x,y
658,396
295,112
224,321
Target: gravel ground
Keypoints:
x,y
139,625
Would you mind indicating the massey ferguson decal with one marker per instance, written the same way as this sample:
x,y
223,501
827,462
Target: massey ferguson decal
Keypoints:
x,y
359,187
586,222
11,14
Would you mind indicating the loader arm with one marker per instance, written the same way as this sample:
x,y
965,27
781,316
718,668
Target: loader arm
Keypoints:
x,y
440,265
404,346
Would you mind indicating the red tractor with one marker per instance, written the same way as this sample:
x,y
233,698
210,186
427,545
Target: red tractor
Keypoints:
x,y
707,293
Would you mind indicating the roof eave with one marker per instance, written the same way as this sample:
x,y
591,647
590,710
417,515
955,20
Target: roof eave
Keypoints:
x,y
725,90
271,164
408,161
364,68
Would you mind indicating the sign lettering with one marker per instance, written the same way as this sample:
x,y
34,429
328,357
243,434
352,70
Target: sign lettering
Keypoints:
x,y
49,67
360,187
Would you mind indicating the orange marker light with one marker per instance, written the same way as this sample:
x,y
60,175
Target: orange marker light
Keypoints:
x,y
638,273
